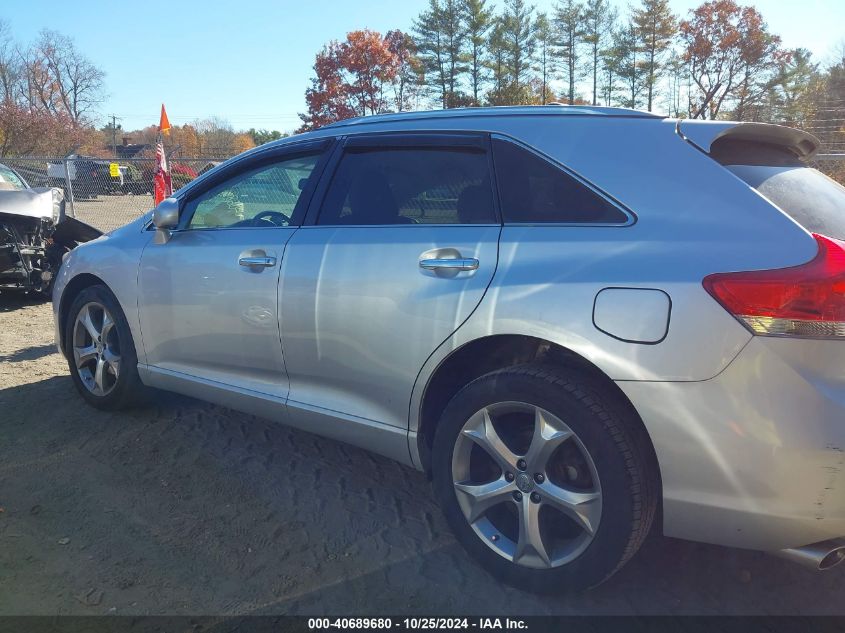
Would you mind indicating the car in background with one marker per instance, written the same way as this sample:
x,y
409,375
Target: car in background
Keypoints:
x,y
89,177
11,179
35,233
581,322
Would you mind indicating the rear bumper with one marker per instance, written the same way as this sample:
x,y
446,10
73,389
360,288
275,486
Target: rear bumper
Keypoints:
x,y
754,457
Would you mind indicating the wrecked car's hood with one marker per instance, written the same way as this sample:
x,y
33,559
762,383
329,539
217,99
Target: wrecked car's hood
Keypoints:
x,y
33,203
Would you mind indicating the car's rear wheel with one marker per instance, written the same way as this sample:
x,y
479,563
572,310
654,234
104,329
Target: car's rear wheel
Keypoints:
x,y
544,480
100,350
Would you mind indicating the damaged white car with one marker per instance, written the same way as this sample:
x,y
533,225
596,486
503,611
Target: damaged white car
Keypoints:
x,y
35,233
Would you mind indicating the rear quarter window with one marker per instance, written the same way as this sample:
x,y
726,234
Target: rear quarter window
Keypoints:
x,y
533,190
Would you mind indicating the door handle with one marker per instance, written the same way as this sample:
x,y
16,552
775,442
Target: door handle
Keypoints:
x,y
257,261
457,264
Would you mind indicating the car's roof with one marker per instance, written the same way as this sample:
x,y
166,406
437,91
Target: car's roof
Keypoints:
x,y
555,109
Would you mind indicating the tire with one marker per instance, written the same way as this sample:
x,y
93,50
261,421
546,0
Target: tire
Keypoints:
x,y
118,385
587,493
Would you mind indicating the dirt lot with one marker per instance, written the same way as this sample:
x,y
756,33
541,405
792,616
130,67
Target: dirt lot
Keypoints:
x,y
110,212
184,507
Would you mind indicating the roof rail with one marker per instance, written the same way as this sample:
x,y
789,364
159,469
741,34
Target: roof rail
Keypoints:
x,y
551,109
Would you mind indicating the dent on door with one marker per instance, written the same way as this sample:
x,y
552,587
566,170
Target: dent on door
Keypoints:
x,y
209,307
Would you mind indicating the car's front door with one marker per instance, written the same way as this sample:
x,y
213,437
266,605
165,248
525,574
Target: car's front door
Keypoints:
x,y
401,252
208,297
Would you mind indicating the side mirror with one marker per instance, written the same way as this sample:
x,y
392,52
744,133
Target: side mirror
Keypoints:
x,y
165,219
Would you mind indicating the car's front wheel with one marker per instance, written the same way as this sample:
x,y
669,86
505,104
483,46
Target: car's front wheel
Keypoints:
x,y
100,350
544,480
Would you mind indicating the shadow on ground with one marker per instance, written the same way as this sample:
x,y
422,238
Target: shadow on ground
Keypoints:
x,y
15,300
185,507
29,353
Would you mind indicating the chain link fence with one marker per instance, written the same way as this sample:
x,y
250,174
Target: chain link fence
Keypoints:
x,y
831,164
105,193
110,193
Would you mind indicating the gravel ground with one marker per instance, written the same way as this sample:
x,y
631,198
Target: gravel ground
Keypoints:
x,y
185,508
109,212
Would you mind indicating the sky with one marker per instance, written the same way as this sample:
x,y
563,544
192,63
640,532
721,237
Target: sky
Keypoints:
x,y
249,61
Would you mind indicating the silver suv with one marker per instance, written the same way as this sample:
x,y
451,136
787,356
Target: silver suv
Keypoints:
x,y
575,319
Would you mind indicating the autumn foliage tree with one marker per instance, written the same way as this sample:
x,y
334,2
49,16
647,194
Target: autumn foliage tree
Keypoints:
x,y
409,72
352,77
728,49
49,92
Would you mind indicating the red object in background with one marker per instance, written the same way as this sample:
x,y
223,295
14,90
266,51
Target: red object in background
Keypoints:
x,y
163,122
162,185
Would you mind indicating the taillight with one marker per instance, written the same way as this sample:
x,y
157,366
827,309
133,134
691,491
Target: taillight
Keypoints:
x,y
806,300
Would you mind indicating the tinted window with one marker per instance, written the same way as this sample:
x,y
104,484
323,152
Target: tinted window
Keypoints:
x,y
532,189
410,186
812,199
262,197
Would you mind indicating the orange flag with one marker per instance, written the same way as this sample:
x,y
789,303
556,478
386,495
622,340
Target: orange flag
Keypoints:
x,y
164,124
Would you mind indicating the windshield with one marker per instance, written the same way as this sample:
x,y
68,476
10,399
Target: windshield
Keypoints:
x,y
812,199
9,179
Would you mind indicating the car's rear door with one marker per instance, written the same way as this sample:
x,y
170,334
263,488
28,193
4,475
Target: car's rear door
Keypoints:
x,y
398,250
208,297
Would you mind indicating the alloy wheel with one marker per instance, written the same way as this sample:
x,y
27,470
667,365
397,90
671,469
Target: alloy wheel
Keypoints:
x,y
96,348
526,484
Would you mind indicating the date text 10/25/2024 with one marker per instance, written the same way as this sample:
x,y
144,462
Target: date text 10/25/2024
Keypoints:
x,y
419,623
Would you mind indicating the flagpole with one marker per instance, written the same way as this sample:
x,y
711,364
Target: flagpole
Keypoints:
x,y
162,182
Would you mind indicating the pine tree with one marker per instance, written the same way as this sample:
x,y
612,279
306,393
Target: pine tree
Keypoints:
x,y
629,64
656,26
431,50
599,18
478,20
519,32
439,39
796,89
497,62
570,23
545,59
612,58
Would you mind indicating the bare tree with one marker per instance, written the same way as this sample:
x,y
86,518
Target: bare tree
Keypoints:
x,y
60,80
215,136
10,67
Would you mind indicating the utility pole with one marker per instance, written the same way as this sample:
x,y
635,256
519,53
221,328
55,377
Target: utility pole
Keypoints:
x,y
114,135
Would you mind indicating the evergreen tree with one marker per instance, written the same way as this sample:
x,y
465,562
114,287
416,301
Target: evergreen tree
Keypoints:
x,y
478,20
611,64
438,37
796,89
656,26
629,65
545,59
570,23
599,18
519,32
498,64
